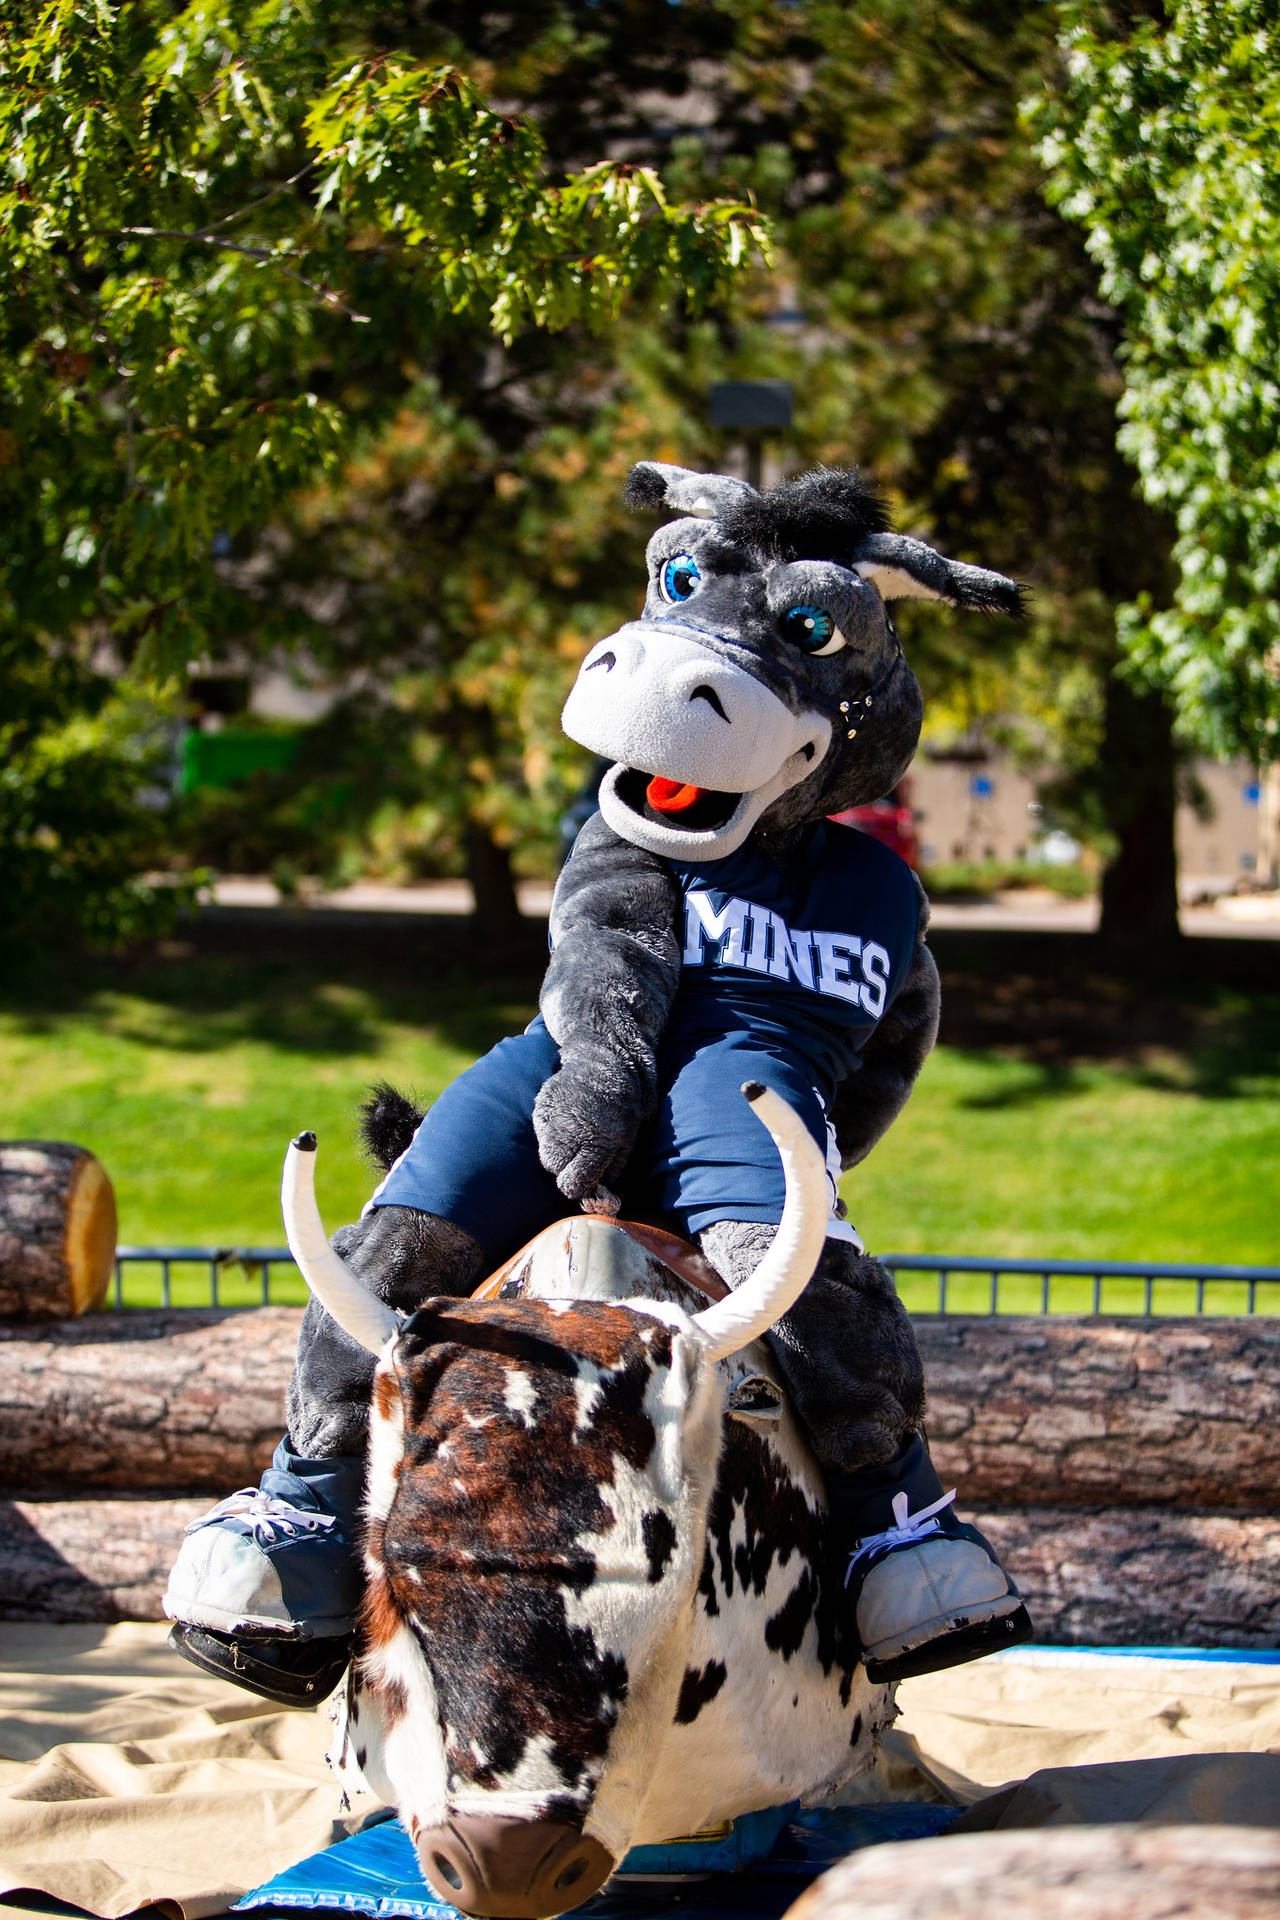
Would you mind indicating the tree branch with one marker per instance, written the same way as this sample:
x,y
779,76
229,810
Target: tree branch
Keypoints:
x,y
229,219
265,254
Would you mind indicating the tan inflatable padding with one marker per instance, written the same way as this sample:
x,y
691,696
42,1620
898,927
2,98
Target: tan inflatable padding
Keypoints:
x,y
127,1778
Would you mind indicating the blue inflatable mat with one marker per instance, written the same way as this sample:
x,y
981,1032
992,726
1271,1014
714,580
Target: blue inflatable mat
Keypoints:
x,y
376,1872
1117,1658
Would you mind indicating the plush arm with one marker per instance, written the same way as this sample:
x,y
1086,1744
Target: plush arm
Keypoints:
x,y
615,966
869,1101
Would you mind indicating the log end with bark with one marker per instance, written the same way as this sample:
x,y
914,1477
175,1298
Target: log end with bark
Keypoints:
x,y
57,1230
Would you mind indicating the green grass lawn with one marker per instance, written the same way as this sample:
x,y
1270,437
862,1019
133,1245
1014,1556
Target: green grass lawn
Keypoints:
x,y
188,1077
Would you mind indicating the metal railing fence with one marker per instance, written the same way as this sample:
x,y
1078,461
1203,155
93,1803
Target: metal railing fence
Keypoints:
x,y
1251,1289
224,1274
929,1283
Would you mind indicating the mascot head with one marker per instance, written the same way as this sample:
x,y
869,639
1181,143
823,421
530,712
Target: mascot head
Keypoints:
x,y
764,683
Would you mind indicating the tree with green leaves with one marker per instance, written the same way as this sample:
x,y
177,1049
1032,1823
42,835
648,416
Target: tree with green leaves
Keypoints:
x,y
940,323
1163,144
230,236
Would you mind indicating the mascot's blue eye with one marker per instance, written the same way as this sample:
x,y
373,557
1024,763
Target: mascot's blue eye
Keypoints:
x,y
811,628
679,577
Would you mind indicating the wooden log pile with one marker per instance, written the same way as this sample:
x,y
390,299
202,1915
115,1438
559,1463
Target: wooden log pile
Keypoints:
x,y
187,1400
1123,1468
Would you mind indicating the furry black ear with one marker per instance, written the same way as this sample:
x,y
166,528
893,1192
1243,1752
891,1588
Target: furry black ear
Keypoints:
x,y
388,1122
652,483
645,486
905,569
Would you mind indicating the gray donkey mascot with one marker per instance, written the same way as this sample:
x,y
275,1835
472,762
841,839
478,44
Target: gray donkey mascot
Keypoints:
x,y
711,926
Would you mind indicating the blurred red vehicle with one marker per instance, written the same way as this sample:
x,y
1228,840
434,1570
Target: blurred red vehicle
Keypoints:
x,y
889,820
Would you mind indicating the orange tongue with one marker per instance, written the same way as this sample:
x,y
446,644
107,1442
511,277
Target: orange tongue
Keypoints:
x,y
671,796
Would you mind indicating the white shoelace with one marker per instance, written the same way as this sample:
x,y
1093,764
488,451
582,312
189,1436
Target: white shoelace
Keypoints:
x,y
905,1531
273,1518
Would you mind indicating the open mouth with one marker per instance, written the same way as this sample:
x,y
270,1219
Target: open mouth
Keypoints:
x,y
674,803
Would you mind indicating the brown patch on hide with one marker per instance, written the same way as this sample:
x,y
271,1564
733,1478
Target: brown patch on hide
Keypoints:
x,y
499,1489
393,1698
379,1618
386,1408
386,1395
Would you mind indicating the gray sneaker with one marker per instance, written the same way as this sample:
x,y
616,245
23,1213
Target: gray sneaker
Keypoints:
x,y
931,1594
277,1560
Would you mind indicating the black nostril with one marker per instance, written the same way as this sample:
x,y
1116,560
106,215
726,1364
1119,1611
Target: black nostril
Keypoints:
x,y
808,749
605,660
571,1875
447,1871
712,699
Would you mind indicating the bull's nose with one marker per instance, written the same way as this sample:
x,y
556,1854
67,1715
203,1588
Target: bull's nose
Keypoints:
x,y
510,1869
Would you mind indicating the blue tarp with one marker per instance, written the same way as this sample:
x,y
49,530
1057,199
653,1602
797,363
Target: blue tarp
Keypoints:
x,y
1230,1656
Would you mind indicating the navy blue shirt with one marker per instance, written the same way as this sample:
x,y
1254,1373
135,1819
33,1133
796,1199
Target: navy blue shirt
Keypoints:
x,y
806,957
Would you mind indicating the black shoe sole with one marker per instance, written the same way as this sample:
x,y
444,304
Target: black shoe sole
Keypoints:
x,y
289,1673
953,1649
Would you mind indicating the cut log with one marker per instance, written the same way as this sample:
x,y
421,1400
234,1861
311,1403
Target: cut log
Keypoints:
x,y
1022,1411
57,1230
1126,1578
188,1400
1142,1576
1059,1873
1100,1411
89,1559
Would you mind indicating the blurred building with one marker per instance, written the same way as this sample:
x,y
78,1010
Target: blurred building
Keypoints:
x,y
976,806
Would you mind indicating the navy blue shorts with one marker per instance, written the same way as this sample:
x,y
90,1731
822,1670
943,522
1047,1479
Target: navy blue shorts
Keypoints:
x,y
705,1157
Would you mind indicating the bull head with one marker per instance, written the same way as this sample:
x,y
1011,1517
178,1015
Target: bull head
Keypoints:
x,y
539,1480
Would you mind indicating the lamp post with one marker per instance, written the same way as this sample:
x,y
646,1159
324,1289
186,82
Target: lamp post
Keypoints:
x,y
751,408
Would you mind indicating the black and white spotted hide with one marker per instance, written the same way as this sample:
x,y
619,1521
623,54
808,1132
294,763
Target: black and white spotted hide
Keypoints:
x,y
597,1584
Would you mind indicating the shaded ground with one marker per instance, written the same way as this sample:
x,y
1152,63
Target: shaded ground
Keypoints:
x,y
1062,998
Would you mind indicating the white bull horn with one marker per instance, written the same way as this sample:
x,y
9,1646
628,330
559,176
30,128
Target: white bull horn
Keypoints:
x,y
357,1311
788,1266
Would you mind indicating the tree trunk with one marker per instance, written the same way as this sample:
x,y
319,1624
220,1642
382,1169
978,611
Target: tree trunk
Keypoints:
x,y
175,1399
1268,874
497,911
90,1559
1140,886
1101,1412
1140,1576
1022,1411
57,1230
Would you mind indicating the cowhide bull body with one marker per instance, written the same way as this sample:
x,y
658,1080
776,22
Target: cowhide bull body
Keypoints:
x,y
599,1609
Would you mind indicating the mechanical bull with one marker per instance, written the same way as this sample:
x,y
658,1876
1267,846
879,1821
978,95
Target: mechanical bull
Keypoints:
x,y
599,1611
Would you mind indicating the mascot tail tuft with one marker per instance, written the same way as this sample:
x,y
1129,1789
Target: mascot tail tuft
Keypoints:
x,y
388,1122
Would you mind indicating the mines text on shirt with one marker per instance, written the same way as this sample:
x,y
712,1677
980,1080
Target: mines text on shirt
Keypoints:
x,y
807,955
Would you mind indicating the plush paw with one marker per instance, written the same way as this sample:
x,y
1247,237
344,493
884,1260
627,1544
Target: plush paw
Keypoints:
x,y
585,1132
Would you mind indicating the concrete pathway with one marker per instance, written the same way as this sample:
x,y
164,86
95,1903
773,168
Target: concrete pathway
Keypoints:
x,y
1024,910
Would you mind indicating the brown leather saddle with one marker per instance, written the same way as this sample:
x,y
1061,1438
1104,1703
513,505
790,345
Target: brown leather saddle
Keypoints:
x,y
684,1259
